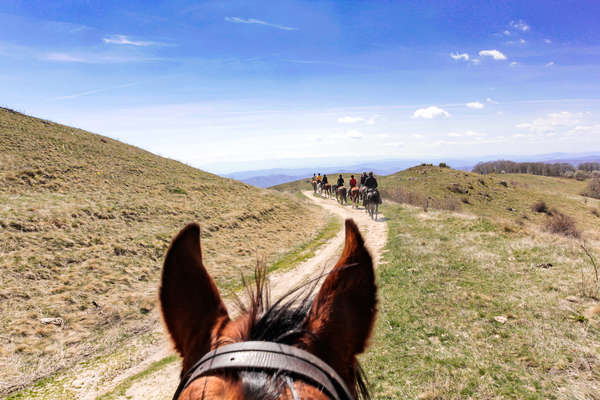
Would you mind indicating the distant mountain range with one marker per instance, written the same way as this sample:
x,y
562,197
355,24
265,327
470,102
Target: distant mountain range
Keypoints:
x,y
270,177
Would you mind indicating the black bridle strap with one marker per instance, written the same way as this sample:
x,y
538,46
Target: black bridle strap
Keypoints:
x,y
268,356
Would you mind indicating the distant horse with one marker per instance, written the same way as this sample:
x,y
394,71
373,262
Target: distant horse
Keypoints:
x,y
327,189
354,196
334,188
291,349
372,202
314,185
341,195
362,192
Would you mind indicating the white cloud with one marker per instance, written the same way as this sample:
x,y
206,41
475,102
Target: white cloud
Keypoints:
x,y
548,41
468,133
354,120
495,54
350,120
512,64
519,25
552,121
90,92
92,58
237,20
475,105
417,136
354,134
506,32
457,56
551,63
522,41
430,113
64,57
475,61
122,39
489,100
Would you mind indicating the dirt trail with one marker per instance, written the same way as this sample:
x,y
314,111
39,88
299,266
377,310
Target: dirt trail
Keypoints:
x,y
161,384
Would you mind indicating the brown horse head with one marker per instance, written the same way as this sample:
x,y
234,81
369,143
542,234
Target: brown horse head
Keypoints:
x,y
334,325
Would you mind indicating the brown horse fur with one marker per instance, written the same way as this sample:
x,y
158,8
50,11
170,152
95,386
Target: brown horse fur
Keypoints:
x,y
327,189
335,325
354,195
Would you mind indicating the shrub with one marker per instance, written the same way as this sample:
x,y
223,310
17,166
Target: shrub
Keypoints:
x,y
593,189
562,224
581,175
444,165
541,207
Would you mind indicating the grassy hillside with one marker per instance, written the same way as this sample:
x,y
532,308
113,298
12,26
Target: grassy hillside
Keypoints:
x,y
84,224
477,299
504,197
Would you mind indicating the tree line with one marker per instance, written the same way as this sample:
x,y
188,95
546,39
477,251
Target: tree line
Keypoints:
x,y
583,170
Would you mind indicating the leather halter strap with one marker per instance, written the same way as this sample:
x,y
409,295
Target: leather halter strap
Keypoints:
x,y
268,356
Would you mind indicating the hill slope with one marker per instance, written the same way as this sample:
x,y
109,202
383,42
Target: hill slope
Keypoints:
x,y
507,197
84,225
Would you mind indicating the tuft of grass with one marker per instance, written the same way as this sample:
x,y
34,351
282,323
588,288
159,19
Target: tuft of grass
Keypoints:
x,y
562,224
540,207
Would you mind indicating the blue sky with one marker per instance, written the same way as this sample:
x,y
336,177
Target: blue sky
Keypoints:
x,y
232,85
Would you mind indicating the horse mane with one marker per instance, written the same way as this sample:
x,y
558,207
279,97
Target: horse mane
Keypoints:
x,y
283,321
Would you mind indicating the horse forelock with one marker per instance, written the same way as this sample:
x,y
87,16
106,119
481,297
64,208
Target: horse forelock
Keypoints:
x,y
284,321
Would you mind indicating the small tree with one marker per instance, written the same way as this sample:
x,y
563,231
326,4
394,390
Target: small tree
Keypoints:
x,y
593,189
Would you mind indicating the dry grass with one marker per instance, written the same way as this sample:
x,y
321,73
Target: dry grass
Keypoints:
x,y
84,225
540,207
401,195
561,224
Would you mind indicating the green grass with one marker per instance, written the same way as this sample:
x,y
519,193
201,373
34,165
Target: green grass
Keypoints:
x,y
126,384
447,278
307,249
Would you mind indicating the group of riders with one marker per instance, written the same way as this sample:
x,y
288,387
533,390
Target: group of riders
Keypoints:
x,y
367,188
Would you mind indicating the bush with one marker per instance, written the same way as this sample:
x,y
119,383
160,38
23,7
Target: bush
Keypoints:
x,y
581,175
541,207
444,165
593,189
562,224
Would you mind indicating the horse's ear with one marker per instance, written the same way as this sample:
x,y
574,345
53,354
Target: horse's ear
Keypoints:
x,y
343,313
190,301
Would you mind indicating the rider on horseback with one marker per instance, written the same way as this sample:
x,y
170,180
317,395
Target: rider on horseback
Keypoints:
x,y
370,181
324,179
318,178
363,178
371,185
352,182
340,181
